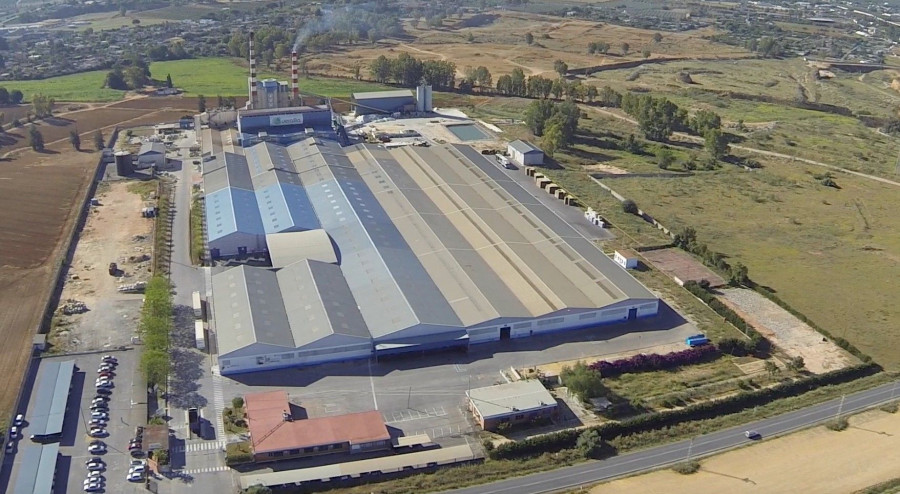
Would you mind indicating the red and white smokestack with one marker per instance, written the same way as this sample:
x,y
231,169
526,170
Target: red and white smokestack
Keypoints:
x,y
295,85
252,73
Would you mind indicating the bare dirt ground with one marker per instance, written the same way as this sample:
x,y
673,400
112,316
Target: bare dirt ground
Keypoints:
x,y
786,331
816,460
555,368
114,232
609,169
680,265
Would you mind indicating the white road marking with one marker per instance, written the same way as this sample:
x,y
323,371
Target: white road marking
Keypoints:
x,y
372,383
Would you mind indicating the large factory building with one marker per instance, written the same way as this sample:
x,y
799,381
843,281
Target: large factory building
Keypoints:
x,y
388,251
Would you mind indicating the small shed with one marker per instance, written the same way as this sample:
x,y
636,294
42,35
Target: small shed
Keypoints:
x,y
628,259
511,403
525,153
156,437
152,154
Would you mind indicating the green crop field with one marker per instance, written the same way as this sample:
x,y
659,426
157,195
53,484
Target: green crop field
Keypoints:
x,y
207,76
222,76
87,86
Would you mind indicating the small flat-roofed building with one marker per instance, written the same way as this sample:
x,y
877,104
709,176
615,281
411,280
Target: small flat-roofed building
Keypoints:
x,y
275,435
387,102
152,154
156,437
37,471
512,403
626,258
525,153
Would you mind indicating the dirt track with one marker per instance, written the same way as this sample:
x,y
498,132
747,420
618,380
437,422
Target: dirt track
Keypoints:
x,y
38,196
817,460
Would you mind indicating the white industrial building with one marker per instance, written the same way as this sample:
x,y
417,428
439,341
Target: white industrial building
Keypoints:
x,y
382,251
151,154
525,153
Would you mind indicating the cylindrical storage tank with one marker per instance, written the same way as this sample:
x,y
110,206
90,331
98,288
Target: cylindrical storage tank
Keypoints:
x,y
420,98
428,104
124,163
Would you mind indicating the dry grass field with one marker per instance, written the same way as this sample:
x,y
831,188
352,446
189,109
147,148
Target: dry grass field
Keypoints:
x,y
830,253
499,44
865,454
39,194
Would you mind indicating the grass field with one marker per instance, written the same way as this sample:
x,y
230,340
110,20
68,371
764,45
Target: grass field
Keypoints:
x,y
207,76
222,76
825,251
87,86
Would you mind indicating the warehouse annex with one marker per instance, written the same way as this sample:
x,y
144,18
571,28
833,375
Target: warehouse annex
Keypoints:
x,y
382,251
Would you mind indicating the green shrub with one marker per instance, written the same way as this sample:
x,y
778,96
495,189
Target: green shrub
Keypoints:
x,y
583,381
488,445
590,444
838,424
889,407
237,453
687,467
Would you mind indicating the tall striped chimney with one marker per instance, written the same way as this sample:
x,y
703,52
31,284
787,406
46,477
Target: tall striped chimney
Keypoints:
x,y
252,74
295,85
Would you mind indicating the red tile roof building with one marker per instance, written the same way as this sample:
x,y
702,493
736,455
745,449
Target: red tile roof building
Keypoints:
x,y
274,435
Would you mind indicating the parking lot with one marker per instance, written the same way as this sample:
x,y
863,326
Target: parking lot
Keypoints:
x,y
425,394
127,408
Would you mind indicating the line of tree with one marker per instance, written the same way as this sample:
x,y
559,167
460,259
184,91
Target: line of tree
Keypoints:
x,y
536,86
409,71
555,123
155,328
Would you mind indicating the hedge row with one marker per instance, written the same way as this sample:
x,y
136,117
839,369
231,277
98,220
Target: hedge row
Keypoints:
x,y
567,439
846,345
655,361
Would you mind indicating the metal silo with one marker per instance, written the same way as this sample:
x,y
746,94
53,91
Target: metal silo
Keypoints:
x,y
124,163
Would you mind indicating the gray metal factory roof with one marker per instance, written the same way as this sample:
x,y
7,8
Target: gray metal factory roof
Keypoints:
x,y
54,381
428,241
396,93
37,470
230,170
152,148
290,247
284,308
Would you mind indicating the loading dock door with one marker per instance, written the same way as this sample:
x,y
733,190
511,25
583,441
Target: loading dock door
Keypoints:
x,y
632,314
505,333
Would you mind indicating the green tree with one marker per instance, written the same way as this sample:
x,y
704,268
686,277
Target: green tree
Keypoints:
x,y
645,53
553,139
583,381
560,67
629,206
99,141
169,81
716,144
155,366
529,38
537,114
257,489
738,274
664,157
16,97
42,105
381,69
115,79
135,77
590,444
35,139
357,67
470,37
201,103
657,37
704,121
796,364
75,139
4,96
237,402
625,47
772,369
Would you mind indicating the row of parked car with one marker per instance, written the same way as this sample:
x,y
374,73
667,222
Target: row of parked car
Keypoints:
x,y
99,419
